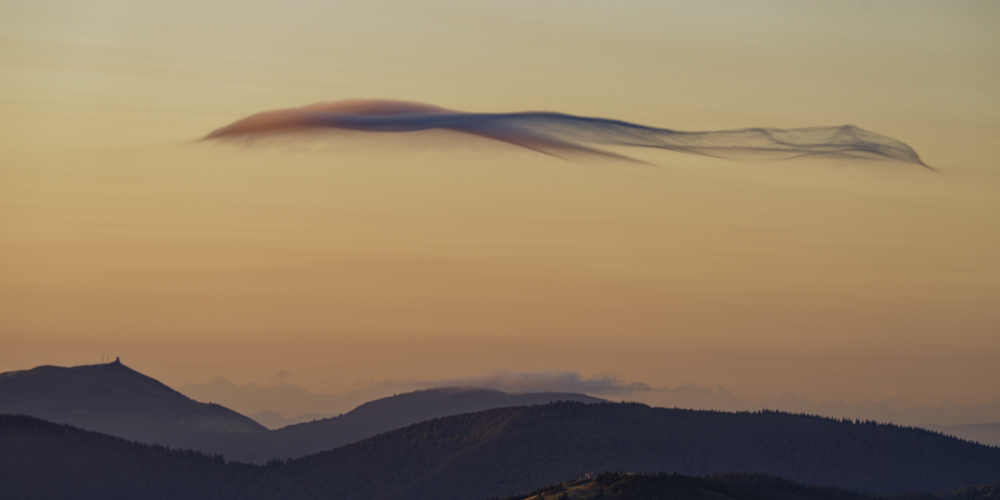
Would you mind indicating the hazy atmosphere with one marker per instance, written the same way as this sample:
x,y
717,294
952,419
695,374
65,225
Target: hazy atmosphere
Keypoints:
x,y
522,255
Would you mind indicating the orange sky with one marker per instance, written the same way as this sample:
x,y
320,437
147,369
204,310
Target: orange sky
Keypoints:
x,y
368,258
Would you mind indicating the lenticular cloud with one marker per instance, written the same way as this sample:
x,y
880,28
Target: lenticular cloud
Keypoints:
x,y
564,135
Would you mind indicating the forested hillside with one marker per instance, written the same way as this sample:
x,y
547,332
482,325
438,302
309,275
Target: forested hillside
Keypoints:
x,y
41,460
504,452
729,486
381,415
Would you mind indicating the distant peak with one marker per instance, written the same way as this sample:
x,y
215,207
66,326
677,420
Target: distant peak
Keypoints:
x,y
220,382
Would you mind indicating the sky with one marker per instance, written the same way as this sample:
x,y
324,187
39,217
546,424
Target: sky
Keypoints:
x,y
348,260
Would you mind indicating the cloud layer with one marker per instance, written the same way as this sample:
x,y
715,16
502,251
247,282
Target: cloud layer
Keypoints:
x,y
565,135
557,381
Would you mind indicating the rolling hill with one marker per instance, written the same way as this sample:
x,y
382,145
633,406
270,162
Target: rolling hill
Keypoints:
x,y
383,415
501,452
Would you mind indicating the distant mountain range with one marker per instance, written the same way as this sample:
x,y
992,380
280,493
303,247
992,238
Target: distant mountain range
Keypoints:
x,y
287,404
273,403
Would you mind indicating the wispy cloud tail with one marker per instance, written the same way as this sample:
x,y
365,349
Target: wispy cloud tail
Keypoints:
x,y
560,134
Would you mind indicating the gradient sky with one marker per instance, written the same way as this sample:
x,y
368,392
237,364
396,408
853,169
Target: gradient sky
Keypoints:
x,y
417,257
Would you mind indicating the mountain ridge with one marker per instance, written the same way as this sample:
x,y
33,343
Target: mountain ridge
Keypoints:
x,y
46,461
500,452
383,415
117,400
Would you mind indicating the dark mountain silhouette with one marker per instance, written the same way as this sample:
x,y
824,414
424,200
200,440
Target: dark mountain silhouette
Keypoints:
x,y
383,415
114,399
45,461
478,455
501,452
730,485
978,492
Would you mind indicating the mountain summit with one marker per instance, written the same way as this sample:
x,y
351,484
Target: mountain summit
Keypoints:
x,y
114,399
